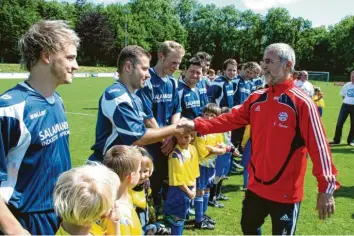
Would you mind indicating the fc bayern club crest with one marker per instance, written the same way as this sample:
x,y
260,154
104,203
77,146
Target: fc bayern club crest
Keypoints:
x,y
283,116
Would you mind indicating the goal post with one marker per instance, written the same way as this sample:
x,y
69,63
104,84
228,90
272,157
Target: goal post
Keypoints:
x,y
320,76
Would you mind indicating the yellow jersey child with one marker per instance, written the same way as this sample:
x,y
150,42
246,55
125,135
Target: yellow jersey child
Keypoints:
x,y
183,170
126,162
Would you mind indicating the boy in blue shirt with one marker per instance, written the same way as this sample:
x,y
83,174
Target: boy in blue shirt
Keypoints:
x,y
242,89
204,82
257,80
242,84
189,94
221,90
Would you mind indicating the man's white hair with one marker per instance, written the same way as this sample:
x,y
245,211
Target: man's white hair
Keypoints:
x,y
284,51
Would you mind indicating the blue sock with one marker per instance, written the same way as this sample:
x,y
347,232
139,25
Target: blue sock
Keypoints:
x,y
177,227
205,202
245,177
198,206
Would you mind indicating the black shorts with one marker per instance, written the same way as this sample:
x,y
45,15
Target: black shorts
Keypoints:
x,y
255,209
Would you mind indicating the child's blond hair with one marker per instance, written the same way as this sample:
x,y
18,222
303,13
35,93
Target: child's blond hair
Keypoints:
x,y
123,160
84,194
147,157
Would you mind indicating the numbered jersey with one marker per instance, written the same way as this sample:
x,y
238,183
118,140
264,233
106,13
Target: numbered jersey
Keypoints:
x,y
34,147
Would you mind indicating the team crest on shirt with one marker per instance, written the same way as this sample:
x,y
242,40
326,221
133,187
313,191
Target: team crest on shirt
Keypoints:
x,y
283,116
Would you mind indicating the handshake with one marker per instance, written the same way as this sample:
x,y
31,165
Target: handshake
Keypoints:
x,y
185,125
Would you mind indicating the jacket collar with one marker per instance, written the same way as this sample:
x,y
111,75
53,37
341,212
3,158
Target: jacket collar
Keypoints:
x,y
287,84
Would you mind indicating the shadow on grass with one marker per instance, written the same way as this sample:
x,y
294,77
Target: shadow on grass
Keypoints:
x,y
345,191
338,145
347,150
353,216
231,188
90,108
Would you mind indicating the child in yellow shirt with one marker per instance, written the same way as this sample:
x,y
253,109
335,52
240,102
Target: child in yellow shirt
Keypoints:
x,y
208,148
183,169
142,199
318,99
126,162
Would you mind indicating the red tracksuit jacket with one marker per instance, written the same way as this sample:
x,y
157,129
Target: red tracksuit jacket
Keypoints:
x,y
285,125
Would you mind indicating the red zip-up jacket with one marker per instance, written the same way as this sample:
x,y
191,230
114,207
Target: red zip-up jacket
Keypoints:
x,y
285,126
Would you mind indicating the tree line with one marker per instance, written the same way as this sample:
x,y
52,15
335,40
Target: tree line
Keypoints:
x,y
223,32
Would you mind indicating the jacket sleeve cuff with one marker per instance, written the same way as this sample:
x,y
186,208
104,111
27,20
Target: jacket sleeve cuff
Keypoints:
x,y
328,187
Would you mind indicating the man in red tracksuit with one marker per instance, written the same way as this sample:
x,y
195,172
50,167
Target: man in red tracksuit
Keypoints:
x,y
285,126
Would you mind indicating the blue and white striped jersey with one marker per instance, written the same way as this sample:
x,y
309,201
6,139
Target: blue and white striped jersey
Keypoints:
x,y
160,98
120,120
242,89
34,147
189,99
256,82
221,92
203,86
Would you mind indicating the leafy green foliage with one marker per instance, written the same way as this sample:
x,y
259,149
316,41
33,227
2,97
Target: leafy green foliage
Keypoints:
x,y
223,32
97,38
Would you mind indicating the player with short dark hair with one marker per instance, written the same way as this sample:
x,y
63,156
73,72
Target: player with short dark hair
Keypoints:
x,y
189,94
121,114
221,91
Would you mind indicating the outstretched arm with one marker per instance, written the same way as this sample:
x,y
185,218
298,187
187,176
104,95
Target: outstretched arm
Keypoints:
x,y
237,118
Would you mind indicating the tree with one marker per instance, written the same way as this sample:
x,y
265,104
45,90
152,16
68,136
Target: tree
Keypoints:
x,y
118,18
341,36
278,27
186,10
97,39
251,36
154,22
58,11
16,16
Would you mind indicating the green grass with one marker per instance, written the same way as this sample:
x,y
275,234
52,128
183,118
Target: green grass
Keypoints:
x,y
82,98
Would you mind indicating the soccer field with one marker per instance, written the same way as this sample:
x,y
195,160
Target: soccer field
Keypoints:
x,y
81,104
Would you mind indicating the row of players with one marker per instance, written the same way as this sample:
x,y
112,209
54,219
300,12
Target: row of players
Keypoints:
x,y
34,129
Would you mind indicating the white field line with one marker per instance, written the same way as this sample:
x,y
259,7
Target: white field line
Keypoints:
x,y
79,113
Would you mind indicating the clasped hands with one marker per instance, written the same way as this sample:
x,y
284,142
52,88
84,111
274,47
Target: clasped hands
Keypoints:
x,y
185,125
